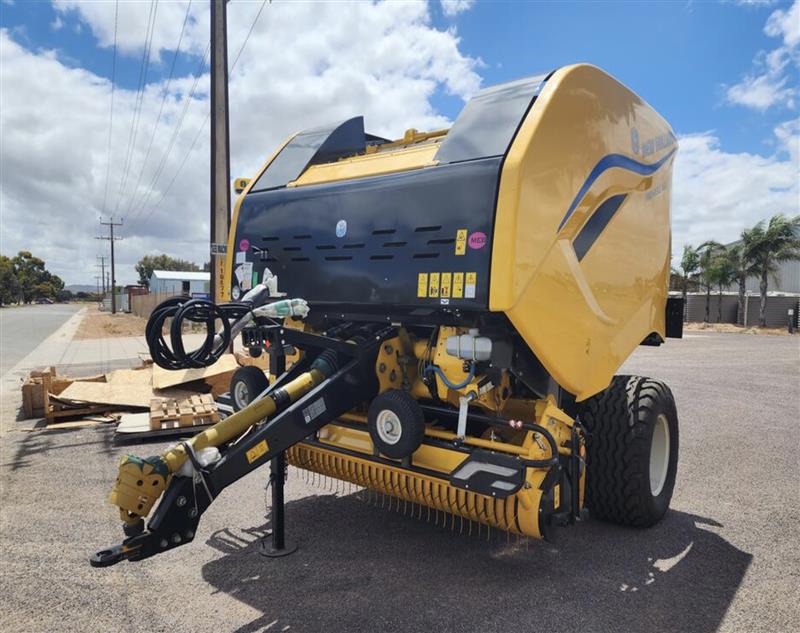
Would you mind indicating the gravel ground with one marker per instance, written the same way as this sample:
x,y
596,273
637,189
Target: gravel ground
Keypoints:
x,y
724,559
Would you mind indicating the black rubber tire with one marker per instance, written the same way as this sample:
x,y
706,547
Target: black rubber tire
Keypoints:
x,y
247,382
620,422
410,416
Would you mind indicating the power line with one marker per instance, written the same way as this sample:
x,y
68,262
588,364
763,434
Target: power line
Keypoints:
x,y
162,163
144,66
161,108
111,115
247,37
202,125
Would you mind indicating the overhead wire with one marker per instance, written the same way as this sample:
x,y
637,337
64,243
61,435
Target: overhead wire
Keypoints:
x,y
161,108
111,110
162,163
205,121
143,67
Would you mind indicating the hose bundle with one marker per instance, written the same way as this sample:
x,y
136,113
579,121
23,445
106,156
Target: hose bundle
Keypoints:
x,y
180,310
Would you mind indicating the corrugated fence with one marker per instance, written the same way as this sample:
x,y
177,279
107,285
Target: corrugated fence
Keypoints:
x,y
776,311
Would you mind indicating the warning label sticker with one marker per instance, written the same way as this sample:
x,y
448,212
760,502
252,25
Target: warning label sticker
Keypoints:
x,y
461,241
444,289
433,288
447,285
422,285
458,285
257,451
469,287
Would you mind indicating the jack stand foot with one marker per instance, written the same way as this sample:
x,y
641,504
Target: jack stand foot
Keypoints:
x,y
266,548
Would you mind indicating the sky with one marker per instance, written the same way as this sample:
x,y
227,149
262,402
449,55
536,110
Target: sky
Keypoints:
x,y
724,74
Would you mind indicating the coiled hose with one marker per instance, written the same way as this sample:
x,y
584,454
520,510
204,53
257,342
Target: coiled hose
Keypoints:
x,y
180,310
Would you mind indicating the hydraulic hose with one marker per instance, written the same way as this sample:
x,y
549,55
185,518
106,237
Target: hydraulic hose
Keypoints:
x,y
181,310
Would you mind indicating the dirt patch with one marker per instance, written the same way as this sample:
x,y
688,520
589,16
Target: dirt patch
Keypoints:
x,y
97,324
736,329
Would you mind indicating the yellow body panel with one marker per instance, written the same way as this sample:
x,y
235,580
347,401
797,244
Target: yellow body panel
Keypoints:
x,y
583,318
382,162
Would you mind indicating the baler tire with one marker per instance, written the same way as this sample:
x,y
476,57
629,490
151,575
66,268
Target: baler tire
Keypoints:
x,y
621,422
247,382
405,411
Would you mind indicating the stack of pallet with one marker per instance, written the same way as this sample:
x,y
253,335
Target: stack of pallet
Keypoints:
x,y
168,413
40,396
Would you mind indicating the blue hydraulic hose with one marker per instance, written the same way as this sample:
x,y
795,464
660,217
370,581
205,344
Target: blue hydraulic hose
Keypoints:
x,y
461,385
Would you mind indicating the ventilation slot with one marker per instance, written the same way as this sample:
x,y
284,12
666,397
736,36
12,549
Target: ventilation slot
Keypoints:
x,y
339,258
426,256
270,238
381,257
270,260
325,247
300,259
353,246
301,237
394,244
426,229
296,248
448,240
384,231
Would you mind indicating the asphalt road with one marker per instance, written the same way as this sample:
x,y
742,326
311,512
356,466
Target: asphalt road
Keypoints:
x,y
726,557
23,328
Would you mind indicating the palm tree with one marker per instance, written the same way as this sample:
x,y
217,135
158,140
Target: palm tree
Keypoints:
x,y
744,267
723,274
690,262
770,245
707,253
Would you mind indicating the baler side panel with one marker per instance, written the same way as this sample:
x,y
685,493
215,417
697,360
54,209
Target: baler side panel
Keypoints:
x,y
364,243
582,236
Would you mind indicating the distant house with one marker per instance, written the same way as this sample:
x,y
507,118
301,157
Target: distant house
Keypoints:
x,y
178,282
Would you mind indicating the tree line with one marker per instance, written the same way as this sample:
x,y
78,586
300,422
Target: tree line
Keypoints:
x,y
24,278
759,252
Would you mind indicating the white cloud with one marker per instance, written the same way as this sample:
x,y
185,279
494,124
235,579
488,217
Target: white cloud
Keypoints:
x,y
716,194
453,7
774,79
385,61
132,22
57,24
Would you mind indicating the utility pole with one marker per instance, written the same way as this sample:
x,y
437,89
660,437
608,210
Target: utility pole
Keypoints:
x,y
110,237
220,142
102,271
97,282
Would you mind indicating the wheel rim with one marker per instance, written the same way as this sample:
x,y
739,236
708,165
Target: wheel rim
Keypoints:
x,y
389,427
659,455
241,394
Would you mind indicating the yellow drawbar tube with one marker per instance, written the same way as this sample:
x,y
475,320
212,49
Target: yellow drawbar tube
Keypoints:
x,y
142,480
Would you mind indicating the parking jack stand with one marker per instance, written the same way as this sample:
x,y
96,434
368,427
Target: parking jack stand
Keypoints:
x,y
274,545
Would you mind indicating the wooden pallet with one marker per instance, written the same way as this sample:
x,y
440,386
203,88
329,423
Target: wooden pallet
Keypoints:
x,y
167,413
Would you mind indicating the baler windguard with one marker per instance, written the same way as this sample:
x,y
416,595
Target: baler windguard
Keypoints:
x,y
464,298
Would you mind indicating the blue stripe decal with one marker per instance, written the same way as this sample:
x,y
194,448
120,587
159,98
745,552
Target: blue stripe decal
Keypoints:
x,y
596,224
609,162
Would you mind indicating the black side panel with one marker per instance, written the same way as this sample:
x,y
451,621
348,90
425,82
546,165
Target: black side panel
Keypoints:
x,y
365,242
489,121
320,145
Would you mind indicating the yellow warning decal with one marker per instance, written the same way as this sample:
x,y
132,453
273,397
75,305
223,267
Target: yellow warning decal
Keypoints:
x,y
422,285
445,287
458,285
469,286
433,287
461,241
257,451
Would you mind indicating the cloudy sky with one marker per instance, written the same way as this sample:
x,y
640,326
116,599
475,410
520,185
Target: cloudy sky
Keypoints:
x,y
725,75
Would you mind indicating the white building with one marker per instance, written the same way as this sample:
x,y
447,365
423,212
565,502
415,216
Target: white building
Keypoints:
x,y
178,282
